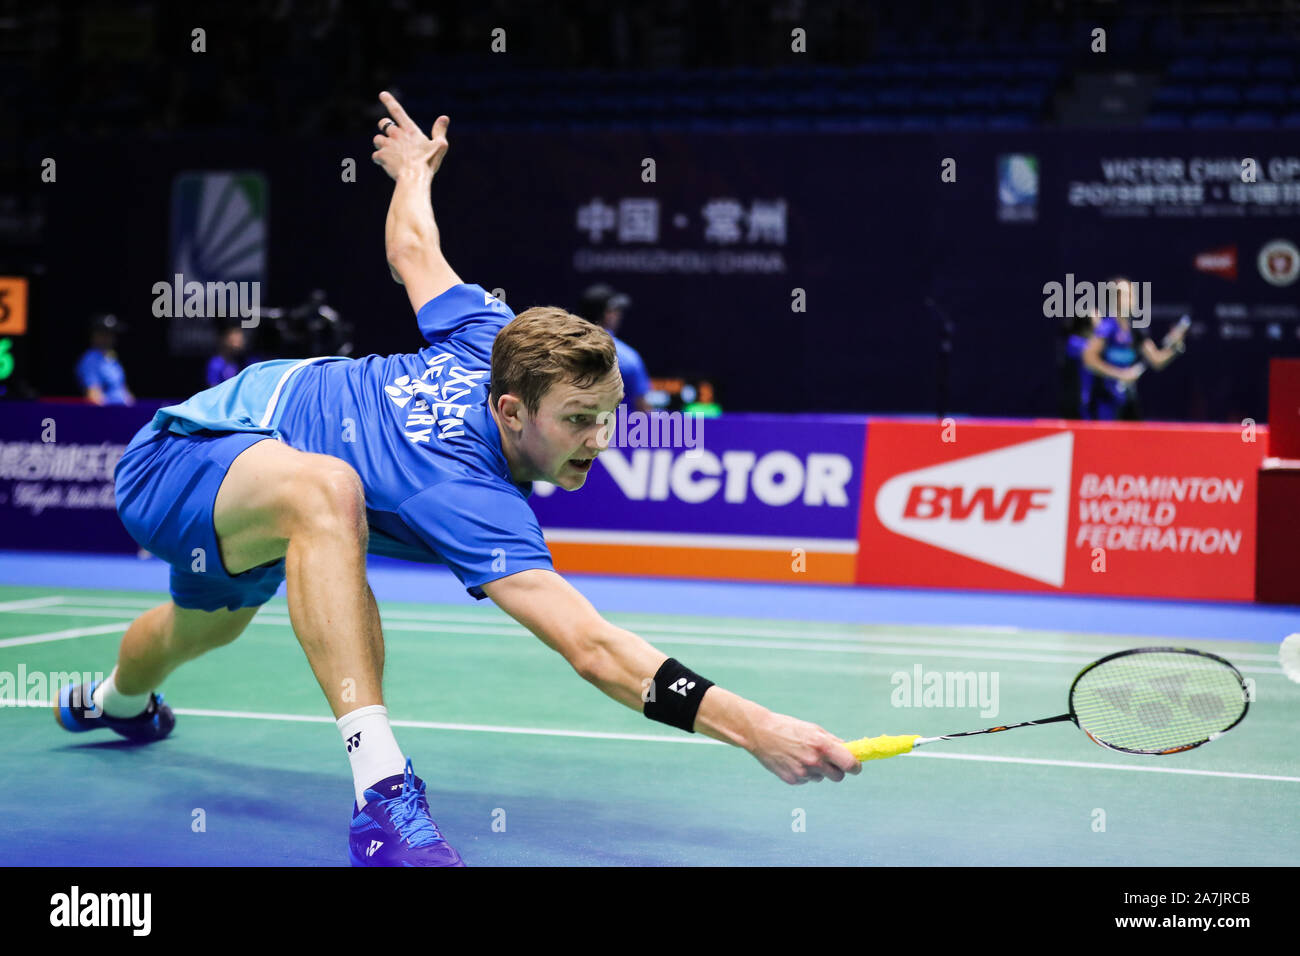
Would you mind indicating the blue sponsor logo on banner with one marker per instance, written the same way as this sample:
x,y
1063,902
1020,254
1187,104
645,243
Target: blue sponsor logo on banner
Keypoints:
x,y
782,476
1017,188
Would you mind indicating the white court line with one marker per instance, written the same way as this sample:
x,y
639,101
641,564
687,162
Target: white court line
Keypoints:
x,y
117,603
495,625
25,603
505,626
63,635
806,644
65,610
861,644
1108,766
823,647
628,618
437,725
654,738
518,631
1119,643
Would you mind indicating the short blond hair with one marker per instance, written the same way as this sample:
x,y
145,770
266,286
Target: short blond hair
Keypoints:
x,y
546,345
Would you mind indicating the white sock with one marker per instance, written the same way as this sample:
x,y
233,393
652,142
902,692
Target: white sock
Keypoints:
x,y
117,704
372,748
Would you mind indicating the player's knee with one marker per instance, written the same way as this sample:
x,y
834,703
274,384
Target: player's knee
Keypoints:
x,y
330,497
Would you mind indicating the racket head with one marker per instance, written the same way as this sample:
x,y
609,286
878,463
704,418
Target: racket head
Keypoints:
x,y
1158,700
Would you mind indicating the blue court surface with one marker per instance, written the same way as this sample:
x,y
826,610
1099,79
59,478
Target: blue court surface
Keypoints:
x,y
527,765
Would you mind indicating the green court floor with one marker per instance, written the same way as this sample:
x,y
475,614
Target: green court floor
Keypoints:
x,y
527,764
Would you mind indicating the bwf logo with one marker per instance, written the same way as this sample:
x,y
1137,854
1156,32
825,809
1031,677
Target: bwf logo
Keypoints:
x,y
354,742
74,909
936,501
1008,507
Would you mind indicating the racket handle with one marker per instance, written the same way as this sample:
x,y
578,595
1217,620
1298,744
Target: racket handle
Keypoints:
x,y
877,748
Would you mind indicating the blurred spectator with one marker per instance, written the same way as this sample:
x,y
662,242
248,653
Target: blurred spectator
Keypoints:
x,y
1076,386
1114,358
99,372
229,359
601,305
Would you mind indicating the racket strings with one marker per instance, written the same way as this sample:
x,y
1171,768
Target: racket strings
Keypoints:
x,y
1158,701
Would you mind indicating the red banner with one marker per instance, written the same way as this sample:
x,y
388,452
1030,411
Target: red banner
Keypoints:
x,y
1127,509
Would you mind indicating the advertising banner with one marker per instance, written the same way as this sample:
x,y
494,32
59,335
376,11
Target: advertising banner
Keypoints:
x,y
56,475
756,497
1053,506
1153,510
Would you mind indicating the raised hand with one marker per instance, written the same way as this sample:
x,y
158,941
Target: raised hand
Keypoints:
x,y
402,148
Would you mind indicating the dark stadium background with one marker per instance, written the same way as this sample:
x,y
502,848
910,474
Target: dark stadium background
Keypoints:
x,y
918,297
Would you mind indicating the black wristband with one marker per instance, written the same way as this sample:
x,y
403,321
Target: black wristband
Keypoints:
x,y
673,695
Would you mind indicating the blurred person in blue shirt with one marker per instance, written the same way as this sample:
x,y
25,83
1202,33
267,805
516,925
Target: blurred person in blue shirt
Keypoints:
x,y
229,360
1076,389
1114,358
602,306
100,374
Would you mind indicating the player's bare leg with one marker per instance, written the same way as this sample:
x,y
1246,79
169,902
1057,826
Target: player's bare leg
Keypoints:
x,y
164,637
155,644
277,502
310,509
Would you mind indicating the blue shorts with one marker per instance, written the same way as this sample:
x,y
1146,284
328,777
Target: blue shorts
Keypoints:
x,y
166,489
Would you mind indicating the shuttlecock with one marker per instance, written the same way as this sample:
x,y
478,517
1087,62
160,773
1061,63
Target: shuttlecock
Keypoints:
x,y
1289,655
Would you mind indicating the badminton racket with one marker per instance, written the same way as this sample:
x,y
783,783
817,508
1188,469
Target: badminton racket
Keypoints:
x,y
1149,700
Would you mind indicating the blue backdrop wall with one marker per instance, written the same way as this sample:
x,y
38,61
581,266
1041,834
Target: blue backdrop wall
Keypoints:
x,y
884,249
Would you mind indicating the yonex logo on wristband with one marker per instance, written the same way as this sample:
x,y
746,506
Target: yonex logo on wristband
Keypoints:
x,y
679,708
354,741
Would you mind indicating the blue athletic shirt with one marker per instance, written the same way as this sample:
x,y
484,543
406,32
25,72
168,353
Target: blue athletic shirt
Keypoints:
x,y
1120,348
630,366
102,370
219,369
416,428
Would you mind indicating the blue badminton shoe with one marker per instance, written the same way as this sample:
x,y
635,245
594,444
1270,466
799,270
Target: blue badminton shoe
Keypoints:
x,y
395,828
76,711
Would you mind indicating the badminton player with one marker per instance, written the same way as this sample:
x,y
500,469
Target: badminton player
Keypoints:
x,y
1115,356
293,470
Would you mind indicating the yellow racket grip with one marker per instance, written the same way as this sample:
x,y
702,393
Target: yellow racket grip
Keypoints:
x,y
877,748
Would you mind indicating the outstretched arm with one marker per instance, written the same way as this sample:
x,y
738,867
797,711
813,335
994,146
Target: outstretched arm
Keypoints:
x,y
411,237
1160,356
619,662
